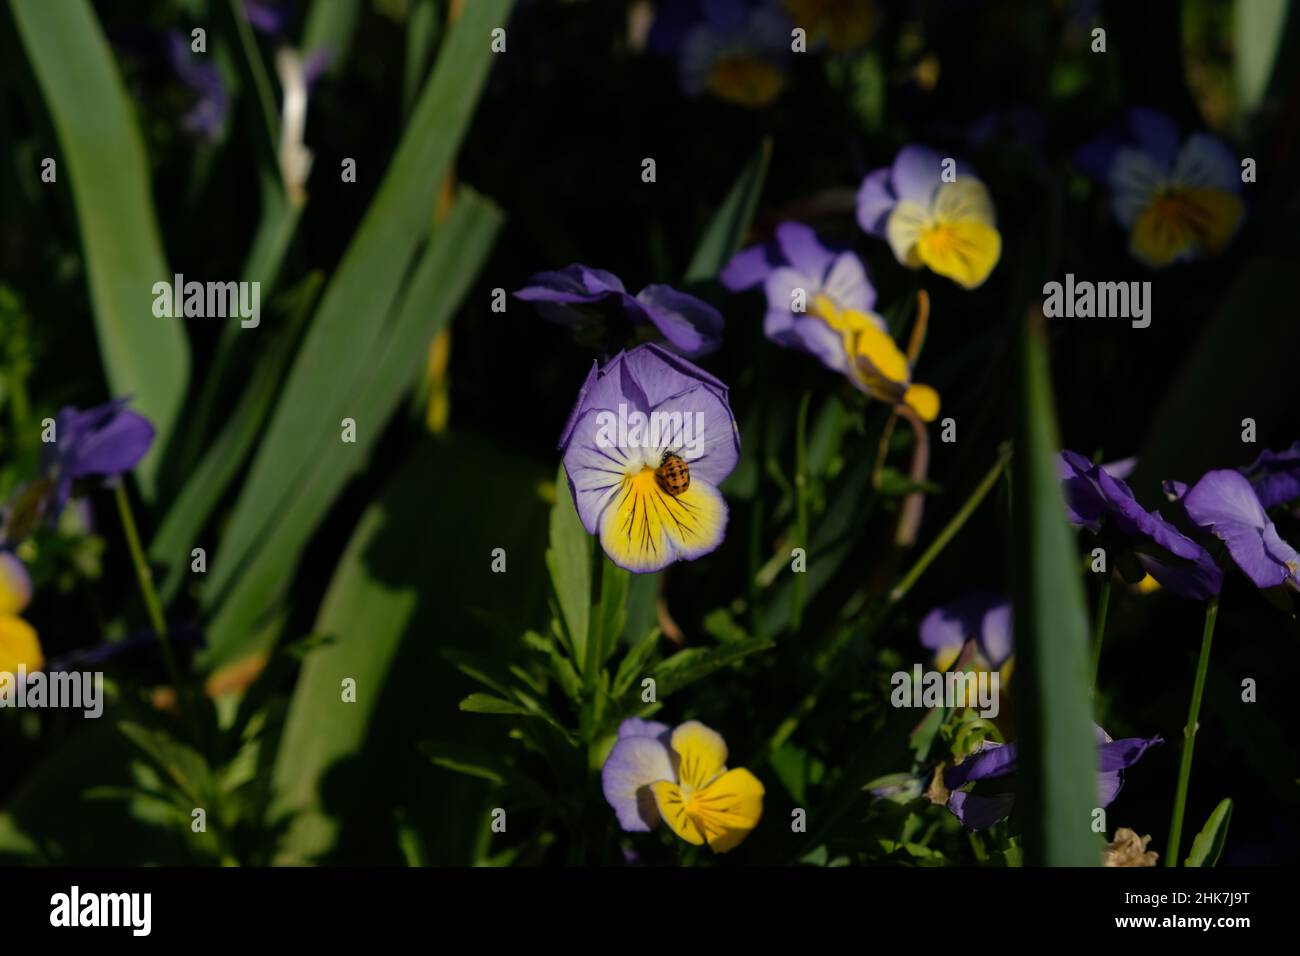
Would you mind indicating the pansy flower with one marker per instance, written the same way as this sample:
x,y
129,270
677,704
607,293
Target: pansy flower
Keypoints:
x,y
19,644
1225,503
104,442
981,791
1099,500
649,440
680,777
1275,476
733,49
1179,200
580,297
839,25
804,281
948,227
976,616
876,365
170,50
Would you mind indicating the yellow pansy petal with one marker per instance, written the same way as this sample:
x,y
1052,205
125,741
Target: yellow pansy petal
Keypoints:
x,y
877,355
964,251
15,584
644,528
923,400
945,657
701,752
727,809
903,229
19,646
964,200
672,805
1180,221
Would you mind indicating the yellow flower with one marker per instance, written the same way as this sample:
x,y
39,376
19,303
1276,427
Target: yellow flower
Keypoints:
x,y
19,646
955,235
707,802
876,364
842,24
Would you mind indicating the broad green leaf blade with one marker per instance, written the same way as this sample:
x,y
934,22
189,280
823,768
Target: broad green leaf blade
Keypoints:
x,y
1259,31
398,597
726,233
609,617
226,454
441,280
348,325
1208,845
568,559
1057,752
104,163
330,26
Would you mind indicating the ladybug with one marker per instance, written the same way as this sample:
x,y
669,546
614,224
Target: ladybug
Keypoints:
x,y
673,475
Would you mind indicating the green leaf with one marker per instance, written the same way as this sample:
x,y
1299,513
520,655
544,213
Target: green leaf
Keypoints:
x,y
633,662
341,348
104,162
479,703
609,616
1259,29
227,452
1208,845
440,281
695,663
1057,752
398,598
726,232
568,559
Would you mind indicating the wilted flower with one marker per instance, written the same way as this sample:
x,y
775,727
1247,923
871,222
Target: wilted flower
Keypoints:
x,y
983,803
1097,499
734,49
680,778
1275,476
840,25
1129,849
975,616
647,444
946,223
19,644
875,364
579,296
1179,200
1225,503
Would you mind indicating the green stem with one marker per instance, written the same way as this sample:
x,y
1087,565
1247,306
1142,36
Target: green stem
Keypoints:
x,y
145,578
841,640
1189,734
950,530
801,506
1099,632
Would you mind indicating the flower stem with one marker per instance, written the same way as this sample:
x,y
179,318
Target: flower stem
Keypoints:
x,y
827,660
801,506
1189,734
909,521
950,530
1099,631
145,578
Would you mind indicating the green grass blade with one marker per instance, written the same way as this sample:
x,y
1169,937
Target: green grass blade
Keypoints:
x,y
1057,752
228,452
726,232
370,396
104,162
398,599
345,329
